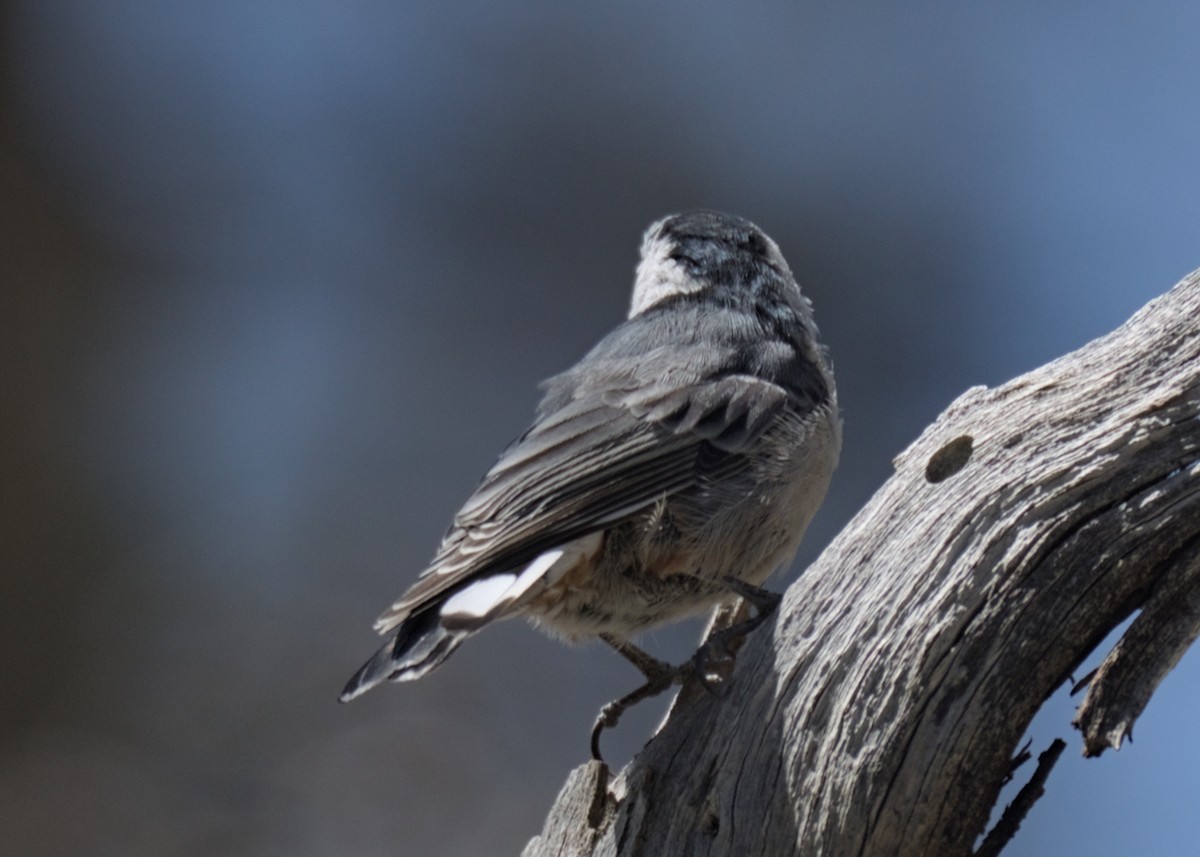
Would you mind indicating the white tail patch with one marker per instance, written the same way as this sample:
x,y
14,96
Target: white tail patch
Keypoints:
x,y
542,566
478,599
486,598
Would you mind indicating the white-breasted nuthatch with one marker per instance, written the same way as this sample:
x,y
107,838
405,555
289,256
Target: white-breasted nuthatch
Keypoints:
x,y
671,470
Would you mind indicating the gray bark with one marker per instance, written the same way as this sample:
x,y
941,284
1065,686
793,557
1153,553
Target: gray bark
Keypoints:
x,y
879,712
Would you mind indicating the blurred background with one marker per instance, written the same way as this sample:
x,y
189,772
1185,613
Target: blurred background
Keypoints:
x,y
278,280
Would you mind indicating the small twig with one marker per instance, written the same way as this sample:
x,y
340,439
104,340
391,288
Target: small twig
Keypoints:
x,y
1077,686
1010,821
1018,760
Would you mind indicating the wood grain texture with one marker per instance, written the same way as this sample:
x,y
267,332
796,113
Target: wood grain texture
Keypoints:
x,y
879,713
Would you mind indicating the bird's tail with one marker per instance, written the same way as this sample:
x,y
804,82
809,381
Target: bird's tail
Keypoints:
x,y
417,647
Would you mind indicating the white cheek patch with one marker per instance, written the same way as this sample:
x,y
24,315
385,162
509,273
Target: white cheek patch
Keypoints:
x,y
659,276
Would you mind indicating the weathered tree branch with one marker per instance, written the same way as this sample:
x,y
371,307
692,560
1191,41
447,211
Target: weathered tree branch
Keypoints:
x,y
879,714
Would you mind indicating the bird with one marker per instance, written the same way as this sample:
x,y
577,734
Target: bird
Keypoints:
x,y
669,472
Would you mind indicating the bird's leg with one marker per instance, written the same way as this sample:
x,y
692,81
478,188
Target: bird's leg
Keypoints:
x,y
727,630
659,676
649,666
719,645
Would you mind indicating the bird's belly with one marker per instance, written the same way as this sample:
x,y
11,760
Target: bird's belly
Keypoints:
x,y
670,562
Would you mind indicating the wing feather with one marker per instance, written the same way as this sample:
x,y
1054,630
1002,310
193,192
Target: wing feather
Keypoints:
x,y
607,444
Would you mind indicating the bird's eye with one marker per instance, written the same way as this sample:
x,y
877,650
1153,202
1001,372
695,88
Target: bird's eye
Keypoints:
x,y
683,257
755,244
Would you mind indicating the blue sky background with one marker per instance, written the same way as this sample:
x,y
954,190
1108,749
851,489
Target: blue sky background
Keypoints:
x,y
279,280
